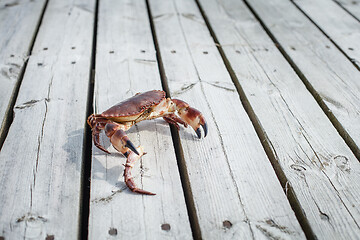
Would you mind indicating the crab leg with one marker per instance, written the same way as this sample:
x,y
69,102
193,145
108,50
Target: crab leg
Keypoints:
x,y
174,120
95,134
191,116
128,178
97,124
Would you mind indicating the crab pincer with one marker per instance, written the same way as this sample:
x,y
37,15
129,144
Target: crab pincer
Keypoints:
x,y
191,116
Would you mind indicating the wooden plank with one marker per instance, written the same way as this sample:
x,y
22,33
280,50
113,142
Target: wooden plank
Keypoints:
x,y
338,24
18,24
236,192
126,64
332,78
352,6
41,159
318,165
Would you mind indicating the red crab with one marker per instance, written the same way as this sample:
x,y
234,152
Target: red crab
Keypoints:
x,y
143,106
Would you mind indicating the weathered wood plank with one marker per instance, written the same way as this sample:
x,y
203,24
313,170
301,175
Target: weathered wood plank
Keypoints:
x,y
318,165
339,25
235,189
41,159
126,64
332,78
18,24
353,6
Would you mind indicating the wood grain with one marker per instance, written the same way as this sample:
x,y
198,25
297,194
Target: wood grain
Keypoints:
x,y
352,6
318,165
18,25
235,190
336,23
125,65
41,159
333,80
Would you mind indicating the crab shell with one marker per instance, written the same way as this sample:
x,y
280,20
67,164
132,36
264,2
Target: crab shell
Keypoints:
x,y
132,108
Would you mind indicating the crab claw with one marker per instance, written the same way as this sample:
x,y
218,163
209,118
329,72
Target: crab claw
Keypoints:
x,y
128,178
130,145
191,116
204,127
119,139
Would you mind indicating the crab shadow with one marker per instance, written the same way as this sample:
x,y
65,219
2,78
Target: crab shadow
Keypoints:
x,y
109,167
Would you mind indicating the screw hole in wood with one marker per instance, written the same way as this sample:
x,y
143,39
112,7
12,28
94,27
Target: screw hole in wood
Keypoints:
x,y
50,237
113,231
227,224
166,227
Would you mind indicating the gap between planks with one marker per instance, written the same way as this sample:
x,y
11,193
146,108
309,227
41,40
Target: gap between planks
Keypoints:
x,y
186,13
9,116
184,176
295,204
144,78
87,146
245,35
335,122
40,37
338,46
344,5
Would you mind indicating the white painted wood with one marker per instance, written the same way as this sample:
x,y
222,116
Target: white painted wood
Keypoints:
x,y
41,159
353,6
126,64
335,80
230,175
339,25
18,23
317,163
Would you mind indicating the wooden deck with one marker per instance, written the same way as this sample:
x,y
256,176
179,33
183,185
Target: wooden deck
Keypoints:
x,y
278,82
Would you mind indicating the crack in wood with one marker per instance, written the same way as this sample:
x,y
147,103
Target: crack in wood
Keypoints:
x,y
217,84
342,201
192,17
108,198
322,168
316,204
161,17
29,217
33,102
186,87
27,104
148,61
218,132
263,227
41,136
11,4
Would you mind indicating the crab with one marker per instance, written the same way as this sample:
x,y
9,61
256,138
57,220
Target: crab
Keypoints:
x,y
143,106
